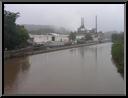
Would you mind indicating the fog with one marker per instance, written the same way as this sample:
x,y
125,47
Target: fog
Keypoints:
x,y
109,16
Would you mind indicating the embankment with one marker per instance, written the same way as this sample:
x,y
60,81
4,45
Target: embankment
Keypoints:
x,y
32,51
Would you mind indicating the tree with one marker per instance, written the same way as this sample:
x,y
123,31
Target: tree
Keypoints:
x,y
88,37
15,36
72,36
23,36
116,36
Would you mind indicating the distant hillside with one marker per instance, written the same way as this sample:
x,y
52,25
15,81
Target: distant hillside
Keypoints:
x,y
44,29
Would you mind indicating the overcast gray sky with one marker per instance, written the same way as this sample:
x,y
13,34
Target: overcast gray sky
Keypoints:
x,y
110,16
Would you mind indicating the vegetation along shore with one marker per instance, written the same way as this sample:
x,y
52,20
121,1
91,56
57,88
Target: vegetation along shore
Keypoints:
x,y
118,51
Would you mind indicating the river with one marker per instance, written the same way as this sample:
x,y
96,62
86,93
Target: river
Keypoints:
x,y
81,70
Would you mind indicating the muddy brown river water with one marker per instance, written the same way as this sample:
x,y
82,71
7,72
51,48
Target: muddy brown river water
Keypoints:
x,y
81,70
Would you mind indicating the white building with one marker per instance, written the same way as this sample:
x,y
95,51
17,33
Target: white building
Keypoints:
x,y
79,37
52,37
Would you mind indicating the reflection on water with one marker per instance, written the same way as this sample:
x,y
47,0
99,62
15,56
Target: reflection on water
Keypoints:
x,y
82,70
13,68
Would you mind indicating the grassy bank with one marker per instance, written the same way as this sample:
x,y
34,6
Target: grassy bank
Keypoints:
x,y
118,52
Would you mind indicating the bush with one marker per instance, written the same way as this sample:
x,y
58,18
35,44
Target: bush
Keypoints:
x,y
118,52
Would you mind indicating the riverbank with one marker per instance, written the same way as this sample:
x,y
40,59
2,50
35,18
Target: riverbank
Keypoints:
x,y
118,53
32,51
118,56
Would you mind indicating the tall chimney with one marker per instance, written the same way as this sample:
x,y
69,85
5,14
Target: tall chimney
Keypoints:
x,y
82,21
96,24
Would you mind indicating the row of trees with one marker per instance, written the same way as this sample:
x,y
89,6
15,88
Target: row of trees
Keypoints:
x,y
15,36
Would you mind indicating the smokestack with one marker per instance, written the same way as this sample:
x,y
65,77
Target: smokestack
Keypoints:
x,y
96,24
82,21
